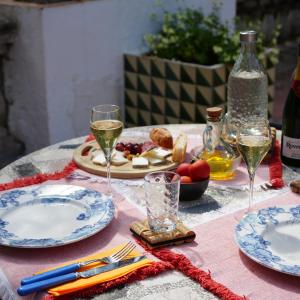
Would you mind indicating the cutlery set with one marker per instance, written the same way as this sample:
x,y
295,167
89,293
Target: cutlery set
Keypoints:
x,y
68,273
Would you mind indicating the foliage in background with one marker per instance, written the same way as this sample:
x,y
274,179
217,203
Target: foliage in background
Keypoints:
x,y
190,36
228,47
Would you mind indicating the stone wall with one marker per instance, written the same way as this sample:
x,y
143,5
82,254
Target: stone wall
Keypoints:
x,y
10,147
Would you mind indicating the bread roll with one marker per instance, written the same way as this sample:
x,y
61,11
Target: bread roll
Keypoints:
x,y
179,148
162,137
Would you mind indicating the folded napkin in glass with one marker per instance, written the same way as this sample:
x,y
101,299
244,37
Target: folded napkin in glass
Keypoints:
x,y
89,275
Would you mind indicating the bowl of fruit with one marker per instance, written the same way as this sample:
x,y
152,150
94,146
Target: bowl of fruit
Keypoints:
x,y
194,179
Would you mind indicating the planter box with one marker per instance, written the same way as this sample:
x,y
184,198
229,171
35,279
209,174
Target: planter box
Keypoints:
x,y
161,91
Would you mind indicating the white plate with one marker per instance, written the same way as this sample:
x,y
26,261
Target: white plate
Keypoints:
x,y
271,237
52,215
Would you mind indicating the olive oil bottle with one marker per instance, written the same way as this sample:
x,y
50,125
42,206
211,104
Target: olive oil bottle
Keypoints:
x,y
215,152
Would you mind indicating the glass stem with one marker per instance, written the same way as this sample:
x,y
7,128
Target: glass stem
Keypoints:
x,y
108,159
251,176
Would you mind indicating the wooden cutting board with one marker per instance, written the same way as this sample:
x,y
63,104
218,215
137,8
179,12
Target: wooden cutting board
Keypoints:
x,y
83,158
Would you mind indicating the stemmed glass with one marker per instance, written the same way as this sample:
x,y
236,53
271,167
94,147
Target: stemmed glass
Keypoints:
x,y
253,142
106,126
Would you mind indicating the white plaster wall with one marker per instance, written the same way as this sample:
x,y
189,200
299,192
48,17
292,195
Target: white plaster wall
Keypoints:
x,y
73,60
25,79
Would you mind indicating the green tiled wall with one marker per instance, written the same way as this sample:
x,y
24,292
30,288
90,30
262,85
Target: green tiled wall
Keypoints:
x,y
159,91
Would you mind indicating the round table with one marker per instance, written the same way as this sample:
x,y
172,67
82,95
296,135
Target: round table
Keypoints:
x,y
218,200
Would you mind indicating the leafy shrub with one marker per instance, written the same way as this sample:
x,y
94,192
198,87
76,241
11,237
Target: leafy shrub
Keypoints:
x,y
190,36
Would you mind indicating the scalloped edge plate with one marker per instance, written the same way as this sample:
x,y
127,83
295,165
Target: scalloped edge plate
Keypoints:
x,y
43,216
271,238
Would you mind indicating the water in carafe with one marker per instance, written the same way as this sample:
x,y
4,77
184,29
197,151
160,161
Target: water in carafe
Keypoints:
x,y
247,85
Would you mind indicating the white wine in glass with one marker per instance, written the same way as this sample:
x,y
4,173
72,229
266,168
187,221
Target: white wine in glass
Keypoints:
x,y
106,126
253,142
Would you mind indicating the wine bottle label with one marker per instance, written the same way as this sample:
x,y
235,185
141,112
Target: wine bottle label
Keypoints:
x,y
296,87
291,147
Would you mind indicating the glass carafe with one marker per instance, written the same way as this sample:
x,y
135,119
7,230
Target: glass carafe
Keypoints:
x,y
247,87
220,156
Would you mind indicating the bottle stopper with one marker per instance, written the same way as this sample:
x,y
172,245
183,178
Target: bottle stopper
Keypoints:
x,y
248,36
214,112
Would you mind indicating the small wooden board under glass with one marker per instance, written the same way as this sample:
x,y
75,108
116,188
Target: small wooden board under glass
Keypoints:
x,y
125,171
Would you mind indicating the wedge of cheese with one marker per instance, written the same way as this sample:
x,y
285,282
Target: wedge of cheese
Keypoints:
x,y
140,162
118,158
158,153
156,161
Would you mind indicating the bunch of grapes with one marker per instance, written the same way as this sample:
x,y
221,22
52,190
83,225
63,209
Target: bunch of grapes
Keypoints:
x,y
132,148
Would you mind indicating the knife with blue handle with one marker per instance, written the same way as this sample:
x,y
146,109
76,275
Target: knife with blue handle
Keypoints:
x,y
52,273
54,281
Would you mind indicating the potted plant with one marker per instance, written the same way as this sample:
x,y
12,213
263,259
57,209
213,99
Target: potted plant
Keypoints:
x,y
187,67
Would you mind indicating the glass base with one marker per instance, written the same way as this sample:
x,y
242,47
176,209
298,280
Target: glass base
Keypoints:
x,y
109,194
162,226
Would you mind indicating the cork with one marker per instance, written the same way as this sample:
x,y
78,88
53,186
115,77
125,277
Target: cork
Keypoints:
x,y
180,235
214,112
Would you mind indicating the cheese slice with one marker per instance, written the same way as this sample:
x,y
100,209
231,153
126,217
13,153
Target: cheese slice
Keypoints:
x,y
140,162
118,158
98,158
156,161
159,153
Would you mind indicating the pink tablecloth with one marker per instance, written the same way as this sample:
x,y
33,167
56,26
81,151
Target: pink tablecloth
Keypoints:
x,y
18,263
214,249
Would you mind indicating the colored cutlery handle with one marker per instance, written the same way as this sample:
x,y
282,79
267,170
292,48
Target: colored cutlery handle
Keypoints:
x,y
44,284
52,273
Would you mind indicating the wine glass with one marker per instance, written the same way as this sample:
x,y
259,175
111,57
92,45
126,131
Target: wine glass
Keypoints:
x,y
106,126
253,142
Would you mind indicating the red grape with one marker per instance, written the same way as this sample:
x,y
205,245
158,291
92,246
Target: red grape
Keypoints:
x,y
120,147
132,148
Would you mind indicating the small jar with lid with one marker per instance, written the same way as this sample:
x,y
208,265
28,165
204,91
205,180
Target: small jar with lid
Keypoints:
x,y
219,156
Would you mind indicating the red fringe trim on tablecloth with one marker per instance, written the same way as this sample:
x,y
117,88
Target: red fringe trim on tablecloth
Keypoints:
x,y
275,167
39,178
182,264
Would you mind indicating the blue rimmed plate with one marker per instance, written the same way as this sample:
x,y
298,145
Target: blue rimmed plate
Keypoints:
x,y
52,215
271,237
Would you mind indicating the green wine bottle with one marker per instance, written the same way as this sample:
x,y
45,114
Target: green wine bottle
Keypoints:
x,y
290,142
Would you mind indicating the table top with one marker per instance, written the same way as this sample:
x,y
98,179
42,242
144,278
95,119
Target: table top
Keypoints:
x,y
45,161
219,199
55,157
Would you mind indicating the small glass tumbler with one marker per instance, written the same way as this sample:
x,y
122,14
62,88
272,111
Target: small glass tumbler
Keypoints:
x,y
162,197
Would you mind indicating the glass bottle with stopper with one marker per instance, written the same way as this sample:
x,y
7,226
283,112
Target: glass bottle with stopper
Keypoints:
x,y
247,87
219,156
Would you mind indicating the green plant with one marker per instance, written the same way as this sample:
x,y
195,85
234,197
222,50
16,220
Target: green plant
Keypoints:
x,y
190,36
228,47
